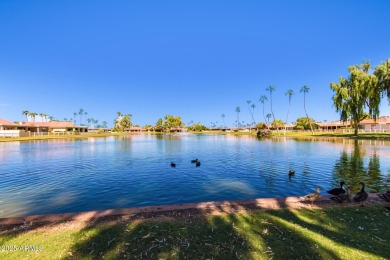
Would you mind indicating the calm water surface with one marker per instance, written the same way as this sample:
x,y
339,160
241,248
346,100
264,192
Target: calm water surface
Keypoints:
x,y
41,177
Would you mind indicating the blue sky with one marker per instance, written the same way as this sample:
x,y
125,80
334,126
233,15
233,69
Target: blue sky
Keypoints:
x,y
196,59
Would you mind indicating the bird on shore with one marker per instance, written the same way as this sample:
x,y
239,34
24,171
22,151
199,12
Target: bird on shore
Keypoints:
x,y
291,173
198,164
312,196
385,196
173,165
361,196
343,197
194,161
337,191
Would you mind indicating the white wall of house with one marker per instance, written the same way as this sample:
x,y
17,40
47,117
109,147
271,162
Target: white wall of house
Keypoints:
x,y
13,133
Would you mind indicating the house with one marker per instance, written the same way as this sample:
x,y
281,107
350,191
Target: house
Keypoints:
x,y
335,125
52,127
10,129
381,124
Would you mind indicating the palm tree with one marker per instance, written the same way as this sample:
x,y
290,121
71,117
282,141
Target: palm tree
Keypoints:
x,y
248,102
89,121
268,117
74,117
85,115
238,119
262,100
271,89
43,116
81,112
33,115
104,124
223,119
253,112
289,93
51,118
305,89
26,113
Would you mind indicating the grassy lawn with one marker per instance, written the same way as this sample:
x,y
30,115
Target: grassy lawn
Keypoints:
x,y
331,233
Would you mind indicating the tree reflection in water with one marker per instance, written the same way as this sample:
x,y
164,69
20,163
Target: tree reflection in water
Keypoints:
x,y
351,169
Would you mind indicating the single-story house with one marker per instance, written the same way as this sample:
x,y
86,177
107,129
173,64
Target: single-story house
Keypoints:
x,y
335,125
52,127
381,124
10,129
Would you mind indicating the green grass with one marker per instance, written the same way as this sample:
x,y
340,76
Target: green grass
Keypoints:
x,y
49,137
333,233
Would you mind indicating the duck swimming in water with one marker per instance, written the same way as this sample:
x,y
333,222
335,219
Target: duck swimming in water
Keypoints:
x,y
173,165
337,191
198,164
194,161
291,173
361,196
312,196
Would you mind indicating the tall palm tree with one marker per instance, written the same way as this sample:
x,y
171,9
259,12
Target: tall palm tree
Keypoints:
x,y
289,93
262,100
74,117
272,89
268,117
85,115
26,113
238,119
223,119
253,112
305,89
89,121
51,118
104,124
81,112
43,116
33,115
250,112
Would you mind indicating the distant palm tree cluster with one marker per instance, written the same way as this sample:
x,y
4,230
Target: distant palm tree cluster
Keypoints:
x,y
30,117
276,123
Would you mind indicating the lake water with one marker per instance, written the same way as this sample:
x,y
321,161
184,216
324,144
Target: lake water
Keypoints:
x,y
58,176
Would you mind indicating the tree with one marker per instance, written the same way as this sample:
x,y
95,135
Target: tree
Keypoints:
x,y
289,93
304,123
74,117
253,106
81,112
159,125
26,113
223,120
382,73
277,124
51,118
198,127
250,111
238,119
272,89
262,100
353,94
305,89
104,124
43,116
120,123
89,121
33,115
268,116
171,122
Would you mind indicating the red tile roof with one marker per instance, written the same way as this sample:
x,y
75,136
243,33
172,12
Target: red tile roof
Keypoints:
x,y
382,119
49,124
5,122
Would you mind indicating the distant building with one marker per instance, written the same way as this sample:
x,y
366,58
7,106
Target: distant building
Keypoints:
x,y
335,125
381,124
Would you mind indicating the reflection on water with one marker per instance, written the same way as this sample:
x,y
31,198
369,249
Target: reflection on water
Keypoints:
x,y
58,176
353,167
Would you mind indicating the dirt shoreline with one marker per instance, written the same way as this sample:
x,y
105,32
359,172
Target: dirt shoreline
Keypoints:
x,y
179,211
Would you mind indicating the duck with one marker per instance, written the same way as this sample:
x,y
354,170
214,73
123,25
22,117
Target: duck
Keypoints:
x,y
312,196
362,195
194,161
343,197
291,173
337,191
198,164
385,196
173,165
